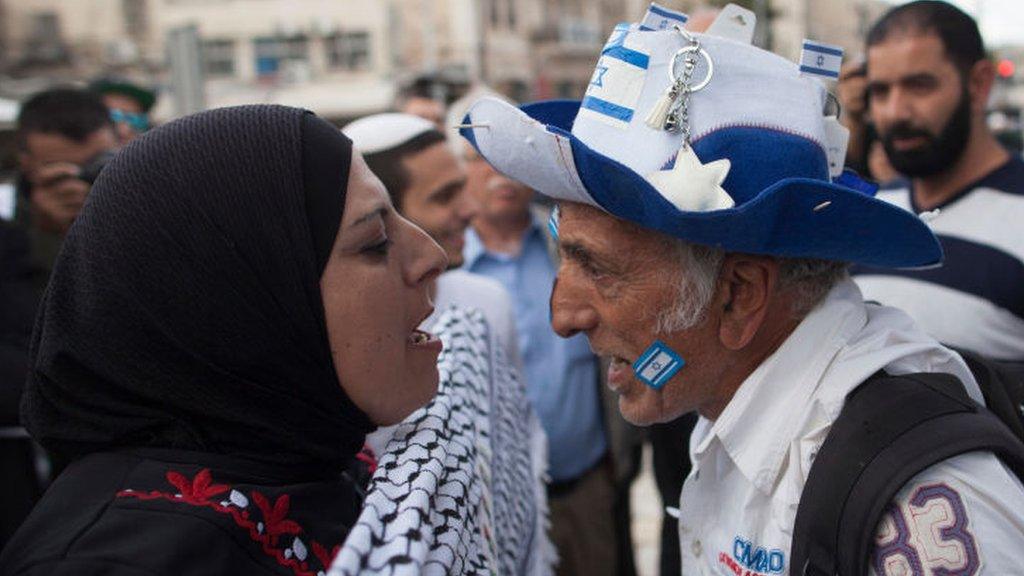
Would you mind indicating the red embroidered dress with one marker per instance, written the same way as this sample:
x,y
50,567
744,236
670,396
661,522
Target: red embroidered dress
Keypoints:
x,y
181,513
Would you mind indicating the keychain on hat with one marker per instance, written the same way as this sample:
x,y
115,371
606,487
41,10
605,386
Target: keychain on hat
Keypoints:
x,y
671,112
689,185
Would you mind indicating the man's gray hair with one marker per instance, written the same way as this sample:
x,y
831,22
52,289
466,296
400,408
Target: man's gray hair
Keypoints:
x,y
809,279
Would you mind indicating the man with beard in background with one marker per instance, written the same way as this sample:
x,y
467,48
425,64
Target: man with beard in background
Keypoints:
x,y
928,85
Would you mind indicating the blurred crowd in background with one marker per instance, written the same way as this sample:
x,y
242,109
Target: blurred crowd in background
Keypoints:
x,y
80,79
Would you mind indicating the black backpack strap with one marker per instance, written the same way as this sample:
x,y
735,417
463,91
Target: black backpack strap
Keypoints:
x,y
889,430
1002,384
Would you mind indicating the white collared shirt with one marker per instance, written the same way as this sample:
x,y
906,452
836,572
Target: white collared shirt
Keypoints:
x,y
738,505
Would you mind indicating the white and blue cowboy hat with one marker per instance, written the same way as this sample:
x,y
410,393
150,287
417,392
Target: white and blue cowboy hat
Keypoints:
x,y
760,182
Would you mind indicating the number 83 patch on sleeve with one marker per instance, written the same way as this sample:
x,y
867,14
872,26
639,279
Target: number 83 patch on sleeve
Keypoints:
x,y
962,517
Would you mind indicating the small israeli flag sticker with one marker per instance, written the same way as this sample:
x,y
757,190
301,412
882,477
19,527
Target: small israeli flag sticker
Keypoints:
x,y
657,365
661,18
553,223
823,60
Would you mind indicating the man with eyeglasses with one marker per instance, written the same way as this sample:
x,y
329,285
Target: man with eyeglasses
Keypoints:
x,y
129,106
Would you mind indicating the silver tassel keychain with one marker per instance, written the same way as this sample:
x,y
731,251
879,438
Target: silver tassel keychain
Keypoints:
x,y
670,112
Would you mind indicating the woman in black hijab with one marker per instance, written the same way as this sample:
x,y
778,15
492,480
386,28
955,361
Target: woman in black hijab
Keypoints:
x,y
235,307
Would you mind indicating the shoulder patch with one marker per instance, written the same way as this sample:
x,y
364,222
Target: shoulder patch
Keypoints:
x,y
928,533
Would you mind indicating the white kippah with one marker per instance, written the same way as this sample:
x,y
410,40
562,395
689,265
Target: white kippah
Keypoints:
x,y
381,132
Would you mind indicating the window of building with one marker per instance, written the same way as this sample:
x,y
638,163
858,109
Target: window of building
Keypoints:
x,y
272,52
519,91
136,19
578,32
493,9
568,89
44,44
219,57
348,50
45,26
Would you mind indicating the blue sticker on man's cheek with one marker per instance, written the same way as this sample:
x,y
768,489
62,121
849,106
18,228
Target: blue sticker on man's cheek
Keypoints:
x,y
657,365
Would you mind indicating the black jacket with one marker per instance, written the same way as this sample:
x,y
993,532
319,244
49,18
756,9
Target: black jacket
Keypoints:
x,y
19,297
18,301
157,511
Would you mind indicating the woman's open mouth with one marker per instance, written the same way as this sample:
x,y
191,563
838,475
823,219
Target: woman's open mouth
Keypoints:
x,y
422,339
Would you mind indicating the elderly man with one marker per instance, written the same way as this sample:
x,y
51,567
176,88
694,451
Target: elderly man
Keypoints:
x,y
705,229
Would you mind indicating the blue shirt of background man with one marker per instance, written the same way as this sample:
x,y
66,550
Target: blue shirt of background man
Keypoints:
x,y
561,374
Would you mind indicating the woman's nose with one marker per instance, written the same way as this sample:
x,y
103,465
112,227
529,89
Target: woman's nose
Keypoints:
x,y
426,260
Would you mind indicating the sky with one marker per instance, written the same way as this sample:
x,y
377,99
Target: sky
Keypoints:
x,y
1001,21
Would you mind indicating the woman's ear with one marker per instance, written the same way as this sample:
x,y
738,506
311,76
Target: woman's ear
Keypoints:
x,y
748,281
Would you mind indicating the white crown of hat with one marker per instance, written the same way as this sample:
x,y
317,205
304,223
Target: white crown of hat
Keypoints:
x,y
746,87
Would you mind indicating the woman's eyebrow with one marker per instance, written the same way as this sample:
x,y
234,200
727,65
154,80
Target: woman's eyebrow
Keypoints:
x,y
379,212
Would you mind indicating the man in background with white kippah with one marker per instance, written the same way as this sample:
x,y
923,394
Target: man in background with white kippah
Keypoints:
x,y
427,183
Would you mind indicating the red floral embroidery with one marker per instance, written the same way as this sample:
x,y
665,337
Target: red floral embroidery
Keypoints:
x,y
198,492
274,522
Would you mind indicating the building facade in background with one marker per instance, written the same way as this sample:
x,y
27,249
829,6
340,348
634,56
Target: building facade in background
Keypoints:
x,y
333,57
346,58
340,58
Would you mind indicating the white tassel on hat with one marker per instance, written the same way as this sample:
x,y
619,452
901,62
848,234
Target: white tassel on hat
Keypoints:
x,y
659,113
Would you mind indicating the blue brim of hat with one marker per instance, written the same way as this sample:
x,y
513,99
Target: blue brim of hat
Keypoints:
x,y
792,217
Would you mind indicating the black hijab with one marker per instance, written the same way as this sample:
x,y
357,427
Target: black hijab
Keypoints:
x,y
184,310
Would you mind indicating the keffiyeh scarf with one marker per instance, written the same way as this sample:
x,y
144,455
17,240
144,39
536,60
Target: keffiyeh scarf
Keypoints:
x,y
458,488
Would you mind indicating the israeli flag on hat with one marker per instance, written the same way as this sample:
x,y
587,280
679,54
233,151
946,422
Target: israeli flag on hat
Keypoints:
x,y
617,82
824,60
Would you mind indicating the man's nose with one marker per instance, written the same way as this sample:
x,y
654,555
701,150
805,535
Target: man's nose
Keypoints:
x,y
571,312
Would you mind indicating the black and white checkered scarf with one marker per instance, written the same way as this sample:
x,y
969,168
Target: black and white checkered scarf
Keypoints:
x,y
458,488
